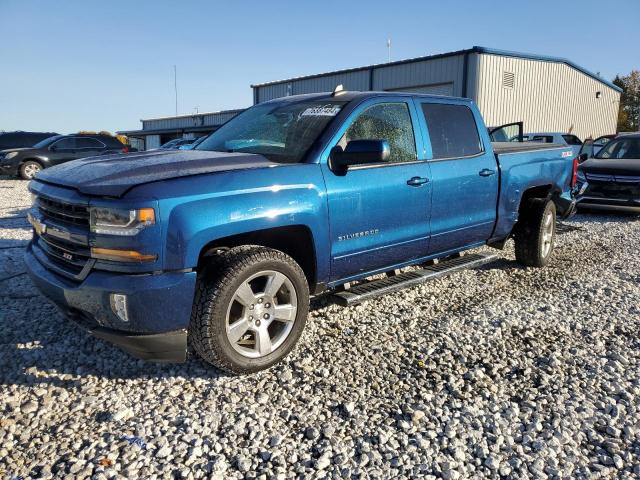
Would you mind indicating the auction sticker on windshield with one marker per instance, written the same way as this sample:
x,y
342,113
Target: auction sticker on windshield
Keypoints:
x,y
322,111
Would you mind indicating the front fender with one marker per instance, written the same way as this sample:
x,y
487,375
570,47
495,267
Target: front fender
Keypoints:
x,y
247,204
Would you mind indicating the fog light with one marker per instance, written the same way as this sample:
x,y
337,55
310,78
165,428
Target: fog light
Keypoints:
x,y
119,306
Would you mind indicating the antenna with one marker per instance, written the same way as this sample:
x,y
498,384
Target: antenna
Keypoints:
x,y
389,48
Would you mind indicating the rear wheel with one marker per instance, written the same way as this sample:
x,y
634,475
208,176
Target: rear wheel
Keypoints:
x,y
249,310
535,233
29,169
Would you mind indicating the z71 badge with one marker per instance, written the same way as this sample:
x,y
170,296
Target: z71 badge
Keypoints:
x,y
351,236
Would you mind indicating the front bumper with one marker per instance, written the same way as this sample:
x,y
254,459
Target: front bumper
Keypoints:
x,y
8,169
158,305
609,204
609,197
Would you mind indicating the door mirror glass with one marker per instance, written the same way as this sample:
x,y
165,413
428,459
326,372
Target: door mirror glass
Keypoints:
x,y
359,152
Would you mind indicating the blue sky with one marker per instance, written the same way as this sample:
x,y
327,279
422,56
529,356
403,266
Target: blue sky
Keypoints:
x,y
71,65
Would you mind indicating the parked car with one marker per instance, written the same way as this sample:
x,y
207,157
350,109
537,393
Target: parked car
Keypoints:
x,y
223,245
175,143
558,138
194,144
610,180
26,162
9,140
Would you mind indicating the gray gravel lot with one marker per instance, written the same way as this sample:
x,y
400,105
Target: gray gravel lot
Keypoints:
x,y
503,371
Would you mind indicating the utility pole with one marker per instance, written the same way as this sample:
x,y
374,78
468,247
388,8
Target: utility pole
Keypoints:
x,y
175,86
389,48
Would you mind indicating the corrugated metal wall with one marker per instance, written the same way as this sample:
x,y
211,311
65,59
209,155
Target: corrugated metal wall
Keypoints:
x,y
152,141
427,73
189,121
546,96
434,74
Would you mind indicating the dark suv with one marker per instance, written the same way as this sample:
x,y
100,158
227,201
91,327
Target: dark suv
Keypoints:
x,y
22,139
26,162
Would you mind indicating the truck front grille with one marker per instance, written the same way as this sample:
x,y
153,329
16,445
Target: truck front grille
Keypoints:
x,y
65,238
63,212
66,255
606,178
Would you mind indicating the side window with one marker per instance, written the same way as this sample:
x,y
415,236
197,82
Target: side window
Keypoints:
x,y
452,130
65,144
89,143
385,121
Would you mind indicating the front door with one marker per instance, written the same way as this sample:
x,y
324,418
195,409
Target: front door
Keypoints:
x,y
379,213
464,176
63,150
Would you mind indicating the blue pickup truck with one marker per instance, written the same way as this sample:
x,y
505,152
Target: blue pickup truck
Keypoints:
x,y
221,247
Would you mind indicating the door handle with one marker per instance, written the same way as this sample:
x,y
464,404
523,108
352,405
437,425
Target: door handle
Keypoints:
x,y
417,181
486,172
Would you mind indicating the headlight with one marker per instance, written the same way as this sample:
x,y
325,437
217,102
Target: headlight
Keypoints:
x,y
9,155
114,221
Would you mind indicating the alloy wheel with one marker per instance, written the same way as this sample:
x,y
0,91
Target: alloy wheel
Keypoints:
x,y
261,314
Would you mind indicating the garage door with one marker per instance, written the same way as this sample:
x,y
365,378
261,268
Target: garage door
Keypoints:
x,y
436,89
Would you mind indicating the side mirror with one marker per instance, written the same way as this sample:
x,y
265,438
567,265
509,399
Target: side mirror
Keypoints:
x,y
359,152
583,157
53,148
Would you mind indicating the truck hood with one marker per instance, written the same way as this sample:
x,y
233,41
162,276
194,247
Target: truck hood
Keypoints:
x,y
611,166
114,175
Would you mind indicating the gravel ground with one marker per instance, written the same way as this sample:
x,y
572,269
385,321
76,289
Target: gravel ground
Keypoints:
x,y
500,372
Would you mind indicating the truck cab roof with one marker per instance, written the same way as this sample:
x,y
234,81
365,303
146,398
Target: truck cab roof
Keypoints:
x,y
348,95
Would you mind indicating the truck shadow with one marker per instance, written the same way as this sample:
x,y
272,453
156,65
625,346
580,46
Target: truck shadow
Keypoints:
x,y
40,346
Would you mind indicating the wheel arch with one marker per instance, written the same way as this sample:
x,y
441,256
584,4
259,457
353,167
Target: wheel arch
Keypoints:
x,y
295,240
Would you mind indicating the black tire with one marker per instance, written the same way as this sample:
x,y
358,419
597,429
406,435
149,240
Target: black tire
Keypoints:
x,y
215,293
532,235
29,169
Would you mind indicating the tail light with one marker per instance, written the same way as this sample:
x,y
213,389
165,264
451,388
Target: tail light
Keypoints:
x,y
574,173
125,149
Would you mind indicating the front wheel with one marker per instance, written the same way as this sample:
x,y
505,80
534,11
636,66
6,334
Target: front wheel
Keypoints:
x,y
250,309
29,169
535,233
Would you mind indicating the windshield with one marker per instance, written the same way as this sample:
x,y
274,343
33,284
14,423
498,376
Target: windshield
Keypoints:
x,y
47,141
621,148
283,131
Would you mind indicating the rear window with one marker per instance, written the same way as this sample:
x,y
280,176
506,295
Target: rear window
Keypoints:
x,y
542,138
572,140
452,130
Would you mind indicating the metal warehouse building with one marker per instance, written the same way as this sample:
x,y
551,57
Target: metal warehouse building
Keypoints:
x,y
546,93
156,131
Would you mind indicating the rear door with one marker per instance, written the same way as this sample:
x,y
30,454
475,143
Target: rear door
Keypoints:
x,y
89,147
379,213
464,175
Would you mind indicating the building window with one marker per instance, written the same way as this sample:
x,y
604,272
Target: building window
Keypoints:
x,y
508,79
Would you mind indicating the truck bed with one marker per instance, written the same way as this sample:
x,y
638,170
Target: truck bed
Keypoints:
x,y
514,147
